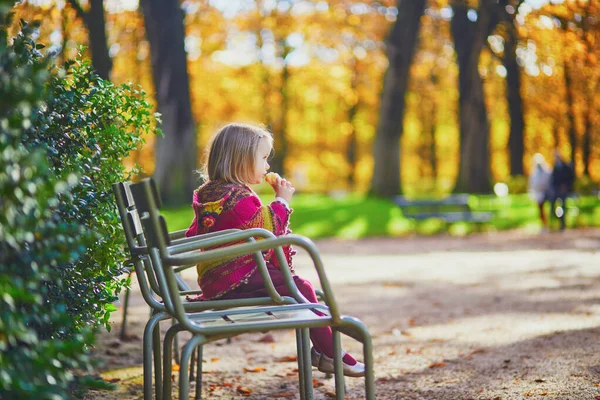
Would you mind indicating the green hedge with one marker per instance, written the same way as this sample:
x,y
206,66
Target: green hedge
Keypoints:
x,y
63,136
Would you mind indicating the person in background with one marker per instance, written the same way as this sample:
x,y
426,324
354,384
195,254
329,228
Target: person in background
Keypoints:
x,y
561,184
539,185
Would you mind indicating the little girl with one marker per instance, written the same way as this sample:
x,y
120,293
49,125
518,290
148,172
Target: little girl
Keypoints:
x,y
237,157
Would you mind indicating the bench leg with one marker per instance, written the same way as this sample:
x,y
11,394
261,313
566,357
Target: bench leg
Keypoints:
x,y
357,330
125,307
186,354
199,373
176,346
338,367
167,384
192,366
307,364
149,351
157,361
304,364
301,377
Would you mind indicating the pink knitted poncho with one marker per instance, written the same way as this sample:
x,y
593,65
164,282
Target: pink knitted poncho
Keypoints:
x,y
219,206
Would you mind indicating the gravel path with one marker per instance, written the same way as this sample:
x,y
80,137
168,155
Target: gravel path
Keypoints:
x,y
509,315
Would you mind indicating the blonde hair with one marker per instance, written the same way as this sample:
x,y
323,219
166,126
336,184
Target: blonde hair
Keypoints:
x,y
230,153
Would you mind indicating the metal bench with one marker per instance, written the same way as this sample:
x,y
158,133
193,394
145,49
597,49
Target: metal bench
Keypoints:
x,y
209,325
454,208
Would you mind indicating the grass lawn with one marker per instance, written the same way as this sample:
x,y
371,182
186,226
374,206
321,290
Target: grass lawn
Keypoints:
x,y
355,216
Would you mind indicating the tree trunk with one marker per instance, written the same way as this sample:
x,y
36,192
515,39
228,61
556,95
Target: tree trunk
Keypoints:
x,y
96,24
352,143
555,134
279,132
62,57
176,153
401,45
570,111
586,146
469,38
515,101
432,142
98,43
266,92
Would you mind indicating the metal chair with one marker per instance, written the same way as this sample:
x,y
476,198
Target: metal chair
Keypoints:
x,y
149,285
213,325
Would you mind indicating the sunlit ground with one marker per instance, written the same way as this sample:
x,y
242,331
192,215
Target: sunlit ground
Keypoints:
x,y
506,315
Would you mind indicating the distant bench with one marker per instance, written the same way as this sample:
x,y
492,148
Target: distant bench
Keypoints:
x,y
454,208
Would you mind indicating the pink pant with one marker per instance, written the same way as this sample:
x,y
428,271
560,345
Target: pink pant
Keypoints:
x,y
321,338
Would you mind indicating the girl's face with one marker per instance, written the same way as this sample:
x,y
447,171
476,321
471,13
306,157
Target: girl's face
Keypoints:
x,y
261,165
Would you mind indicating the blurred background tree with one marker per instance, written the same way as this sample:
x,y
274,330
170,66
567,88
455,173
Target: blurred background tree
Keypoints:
x,y
95,23
490,84
175,152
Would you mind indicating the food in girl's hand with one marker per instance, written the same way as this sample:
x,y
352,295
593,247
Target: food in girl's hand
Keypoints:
x,y
271,178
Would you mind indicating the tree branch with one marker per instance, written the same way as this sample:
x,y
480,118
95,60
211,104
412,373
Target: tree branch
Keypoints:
x,y
82,14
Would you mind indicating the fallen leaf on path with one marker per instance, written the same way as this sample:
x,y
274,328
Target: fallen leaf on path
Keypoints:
x,y
268,338
287,359
394,284
411,322
437,365
255,369
113,380
330,394
244,391
411,351
476,351
214,359
175,367
317,383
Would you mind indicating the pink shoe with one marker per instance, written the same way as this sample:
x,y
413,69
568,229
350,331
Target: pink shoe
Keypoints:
x,y
325,364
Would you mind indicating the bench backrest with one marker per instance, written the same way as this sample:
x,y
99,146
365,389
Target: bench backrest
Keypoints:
x,y
452,200
136,243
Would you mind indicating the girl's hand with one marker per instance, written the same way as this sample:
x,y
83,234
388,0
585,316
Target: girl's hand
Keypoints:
x,y
285,190
282,187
